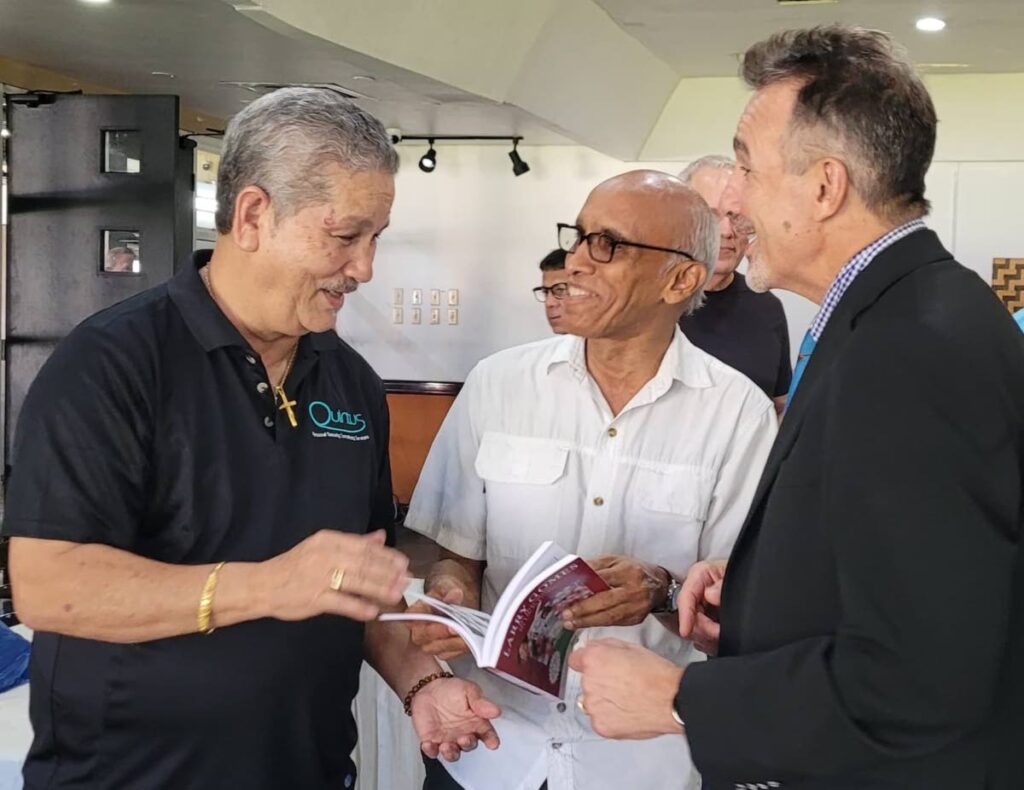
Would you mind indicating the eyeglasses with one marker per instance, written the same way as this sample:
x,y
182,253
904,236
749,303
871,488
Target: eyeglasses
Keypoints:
x,y
558,290
602,246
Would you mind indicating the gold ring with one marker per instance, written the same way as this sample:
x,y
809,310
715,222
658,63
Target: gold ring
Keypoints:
x,y
580,704
337,578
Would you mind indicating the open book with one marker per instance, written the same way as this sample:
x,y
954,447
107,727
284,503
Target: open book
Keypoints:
x,y
523,641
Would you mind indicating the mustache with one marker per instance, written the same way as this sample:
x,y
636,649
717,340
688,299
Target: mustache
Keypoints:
x,y
345,286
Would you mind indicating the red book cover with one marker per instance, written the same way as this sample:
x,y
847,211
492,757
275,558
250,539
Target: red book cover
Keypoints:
x,y
535,647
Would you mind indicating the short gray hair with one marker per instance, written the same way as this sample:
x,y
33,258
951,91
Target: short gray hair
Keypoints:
x,y
282,142
702,243
859,98
713,161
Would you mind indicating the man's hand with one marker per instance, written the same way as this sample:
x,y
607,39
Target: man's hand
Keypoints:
x,y
699,599
628,691
433,638
298,582
637,588
451,716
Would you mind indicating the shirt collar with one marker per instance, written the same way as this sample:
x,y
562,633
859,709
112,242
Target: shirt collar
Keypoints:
x,y
855,266
682,362
204,318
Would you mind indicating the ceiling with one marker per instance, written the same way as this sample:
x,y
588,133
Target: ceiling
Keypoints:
x,y
547,70
205,43
703,38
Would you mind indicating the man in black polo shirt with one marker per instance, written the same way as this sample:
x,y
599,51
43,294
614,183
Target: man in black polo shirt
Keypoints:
x,y
744,329
210,455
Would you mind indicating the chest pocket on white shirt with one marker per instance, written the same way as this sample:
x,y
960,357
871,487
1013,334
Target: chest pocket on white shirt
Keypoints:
x,y
668,511
523,501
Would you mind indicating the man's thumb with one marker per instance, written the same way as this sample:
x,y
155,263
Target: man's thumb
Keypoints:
x,y
453,595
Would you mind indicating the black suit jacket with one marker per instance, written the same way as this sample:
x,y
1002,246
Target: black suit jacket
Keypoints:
x,y
873,608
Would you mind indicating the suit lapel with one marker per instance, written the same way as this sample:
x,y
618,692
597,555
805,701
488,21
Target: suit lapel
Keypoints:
x,y
892,265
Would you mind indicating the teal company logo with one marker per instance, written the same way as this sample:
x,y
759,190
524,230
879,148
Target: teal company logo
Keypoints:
x,y
337,424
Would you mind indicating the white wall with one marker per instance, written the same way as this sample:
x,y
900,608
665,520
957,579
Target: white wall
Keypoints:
x,y
471,225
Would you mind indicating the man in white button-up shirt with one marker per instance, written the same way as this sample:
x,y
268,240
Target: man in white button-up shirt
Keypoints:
x,y
625,444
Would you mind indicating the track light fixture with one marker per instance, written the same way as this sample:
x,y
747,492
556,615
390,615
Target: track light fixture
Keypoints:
x,y
428,162
518,165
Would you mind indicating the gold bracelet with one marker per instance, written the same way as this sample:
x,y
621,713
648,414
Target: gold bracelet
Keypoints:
x,y
206,601
407,702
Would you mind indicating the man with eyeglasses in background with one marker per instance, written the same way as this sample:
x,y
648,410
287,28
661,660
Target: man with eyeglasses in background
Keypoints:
x,y
745,329
620,441
553,288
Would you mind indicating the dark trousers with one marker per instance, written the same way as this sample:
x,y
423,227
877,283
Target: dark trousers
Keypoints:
x,y
439,779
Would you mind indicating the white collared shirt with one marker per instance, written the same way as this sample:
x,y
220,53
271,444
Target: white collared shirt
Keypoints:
x,y
531,451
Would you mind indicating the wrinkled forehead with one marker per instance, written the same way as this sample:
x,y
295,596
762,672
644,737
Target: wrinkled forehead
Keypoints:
x,y
553,276
636,213
765,120
710,182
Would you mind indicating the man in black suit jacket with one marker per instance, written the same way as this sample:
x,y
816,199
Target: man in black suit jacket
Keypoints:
x,y
870,632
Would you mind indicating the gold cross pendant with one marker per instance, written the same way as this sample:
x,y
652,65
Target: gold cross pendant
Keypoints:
x,y
286,406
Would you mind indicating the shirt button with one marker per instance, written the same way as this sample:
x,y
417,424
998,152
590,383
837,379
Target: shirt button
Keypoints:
x,y
262,388
250,359
268,421
612,432
348,781
556,745
561,707
598,501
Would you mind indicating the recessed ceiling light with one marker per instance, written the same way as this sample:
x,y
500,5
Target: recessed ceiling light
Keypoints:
x,y
364,78
162,74
930,24
95,2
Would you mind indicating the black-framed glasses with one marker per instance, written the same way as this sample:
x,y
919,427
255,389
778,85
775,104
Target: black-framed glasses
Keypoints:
x,y
558,290
602,246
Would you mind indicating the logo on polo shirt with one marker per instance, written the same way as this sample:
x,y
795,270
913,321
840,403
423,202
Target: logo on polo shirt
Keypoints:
x,y
337,424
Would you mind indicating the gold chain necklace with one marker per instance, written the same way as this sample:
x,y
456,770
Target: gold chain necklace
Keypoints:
x,y
280,397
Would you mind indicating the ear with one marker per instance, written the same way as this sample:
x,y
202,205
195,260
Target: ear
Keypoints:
x,y
252,211
832,187
683,281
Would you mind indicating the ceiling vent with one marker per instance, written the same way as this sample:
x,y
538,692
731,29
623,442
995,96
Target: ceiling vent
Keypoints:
x,y
267,87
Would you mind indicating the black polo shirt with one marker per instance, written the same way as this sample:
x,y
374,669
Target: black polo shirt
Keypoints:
x,y
150,429
747,331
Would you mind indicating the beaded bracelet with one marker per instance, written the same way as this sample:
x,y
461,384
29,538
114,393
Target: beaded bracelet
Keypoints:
x,y
407,702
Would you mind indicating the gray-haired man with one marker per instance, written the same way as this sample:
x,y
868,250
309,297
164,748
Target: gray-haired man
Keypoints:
x,y
210,455
621,442
744,329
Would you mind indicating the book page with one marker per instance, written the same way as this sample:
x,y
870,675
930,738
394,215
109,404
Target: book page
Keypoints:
x,y
529,643
546,555
473,619
472,636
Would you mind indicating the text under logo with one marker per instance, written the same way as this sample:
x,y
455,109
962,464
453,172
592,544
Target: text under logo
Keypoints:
x,y
337,423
